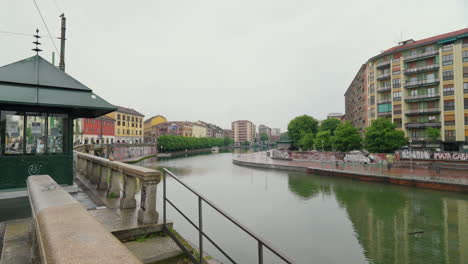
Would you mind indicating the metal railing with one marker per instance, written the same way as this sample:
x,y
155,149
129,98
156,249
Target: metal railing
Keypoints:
x,y
422,68
421,82
421,55
422,96
260,242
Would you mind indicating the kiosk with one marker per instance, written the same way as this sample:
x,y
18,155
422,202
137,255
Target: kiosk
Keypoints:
x,y
38,103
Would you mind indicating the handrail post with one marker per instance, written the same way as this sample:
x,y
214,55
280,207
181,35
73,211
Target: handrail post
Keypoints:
x,y
164,198
260,252
200,227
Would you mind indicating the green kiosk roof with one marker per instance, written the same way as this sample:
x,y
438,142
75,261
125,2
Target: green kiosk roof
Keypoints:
x,y
36,82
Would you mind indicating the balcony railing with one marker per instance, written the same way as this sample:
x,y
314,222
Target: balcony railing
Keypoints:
x,y
383,76
384,101
418,139
423,124
422,97
389,113
422,55
422,111
384,89
450,138
383,64
422,69
410,84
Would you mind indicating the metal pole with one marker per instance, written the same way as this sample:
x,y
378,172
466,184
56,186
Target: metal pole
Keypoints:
x,y
164,198
62,42
200,227
260,252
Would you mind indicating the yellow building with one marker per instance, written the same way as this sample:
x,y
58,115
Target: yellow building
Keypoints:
x,y
128,125
421,84
149,134
199,130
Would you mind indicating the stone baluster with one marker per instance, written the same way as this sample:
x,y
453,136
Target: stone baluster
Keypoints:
x,y
89,169
147,213
94,178
128,193
103,176
113,190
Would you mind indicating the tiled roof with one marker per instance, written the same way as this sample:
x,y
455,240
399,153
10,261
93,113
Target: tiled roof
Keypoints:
x,y
425,41
149,119
129,111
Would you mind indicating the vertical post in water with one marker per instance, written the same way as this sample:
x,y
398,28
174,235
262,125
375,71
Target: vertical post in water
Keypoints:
x,y
200,227
260,252
62,43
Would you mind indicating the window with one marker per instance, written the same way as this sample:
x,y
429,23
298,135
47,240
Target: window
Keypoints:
x,y
447,59
466,120
397,122
447,75
128,118
396,96
35,133
412,52
465,72
431,91
118,116
465,43
371,88
465,87
397,109
449,134
123,123
449,105
465,102
448,89
431,119
118,123
372,100
371,76
14,133
447,47
396,83
465,55
56,126
449,123
133,119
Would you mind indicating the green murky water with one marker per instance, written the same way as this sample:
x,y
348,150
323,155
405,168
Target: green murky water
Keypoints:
x,y
318,219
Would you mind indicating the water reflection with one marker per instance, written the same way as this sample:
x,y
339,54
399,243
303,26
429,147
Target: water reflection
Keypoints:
x,y
397,224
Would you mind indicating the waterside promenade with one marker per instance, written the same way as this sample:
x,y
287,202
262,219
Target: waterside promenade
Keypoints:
x,y
445,179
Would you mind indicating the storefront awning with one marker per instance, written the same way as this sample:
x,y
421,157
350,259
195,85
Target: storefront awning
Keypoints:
x,y
36,82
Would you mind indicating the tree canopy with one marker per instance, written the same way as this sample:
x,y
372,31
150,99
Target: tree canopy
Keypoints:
x,y
346,137
323,140
432,134
383,137
264,137
307,141
300,126
329,124
177,143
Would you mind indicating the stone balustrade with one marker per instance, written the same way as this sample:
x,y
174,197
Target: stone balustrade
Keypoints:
x,y
120,181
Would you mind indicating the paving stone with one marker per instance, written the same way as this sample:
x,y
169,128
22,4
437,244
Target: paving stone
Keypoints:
x,y
154,249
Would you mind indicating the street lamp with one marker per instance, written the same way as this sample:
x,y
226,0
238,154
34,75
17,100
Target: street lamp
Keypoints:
x,y
410,155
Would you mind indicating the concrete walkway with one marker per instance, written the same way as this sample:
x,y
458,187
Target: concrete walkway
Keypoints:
x,y
446,180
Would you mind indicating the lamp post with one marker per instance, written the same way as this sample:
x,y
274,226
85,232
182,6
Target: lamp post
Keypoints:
x,y
322,145
410,155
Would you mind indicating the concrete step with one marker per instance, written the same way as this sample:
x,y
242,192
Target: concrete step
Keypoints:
x,y
18,242
155,249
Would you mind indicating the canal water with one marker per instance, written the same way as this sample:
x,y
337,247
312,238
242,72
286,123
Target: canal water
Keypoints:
x,y
316,219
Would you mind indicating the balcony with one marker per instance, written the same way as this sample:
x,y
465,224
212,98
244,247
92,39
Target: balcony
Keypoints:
x,y
410,125
425,68
384,101
389,113
411,84
422,111
418,139
383,64
423,55
450,138
384,89
383,76
422,97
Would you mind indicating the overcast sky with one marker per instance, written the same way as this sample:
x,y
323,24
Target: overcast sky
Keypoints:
x,y
218,61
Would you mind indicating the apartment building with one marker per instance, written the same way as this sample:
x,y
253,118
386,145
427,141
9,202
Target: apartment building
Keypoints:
x,y
243,130
420,84
264,129
179,128
149,124
128,126
356,100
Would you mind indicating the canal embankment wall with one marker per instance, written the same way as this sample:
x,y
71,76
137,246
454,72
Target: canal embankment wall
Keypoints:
x,y
400,177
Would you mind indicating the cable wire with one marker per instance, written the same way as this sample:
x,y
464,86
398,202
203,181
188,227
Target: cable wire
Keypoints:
x,y
22,34
43,21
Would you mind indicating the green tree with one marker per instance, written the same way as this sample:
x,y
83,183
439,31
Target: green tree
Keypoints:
x,y
432,135
323,140
383,137
300,126
307,141
346,137
264,137
330,124
227,141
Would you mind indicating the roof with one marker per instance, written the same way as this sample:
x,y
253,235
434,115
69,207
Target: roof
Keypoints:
x,y
426,41
129,111
105,117
151,118
36,82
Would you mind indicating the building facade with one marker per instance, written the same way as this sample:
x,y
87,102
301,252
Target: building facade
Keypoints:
x,y
420,84
179,128
100,130
264,129
356,101
128,125
243,131
199,130
147,127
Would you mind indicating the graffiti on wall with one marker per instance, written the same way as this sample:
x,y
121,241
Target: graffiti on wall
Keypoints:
x,y
416,154
450,156
429,155
280,154
122,152
314,156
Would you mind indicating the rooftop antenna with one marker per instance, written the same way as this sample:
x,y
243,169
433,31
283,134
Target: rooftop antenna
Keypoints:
x,y
37,49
